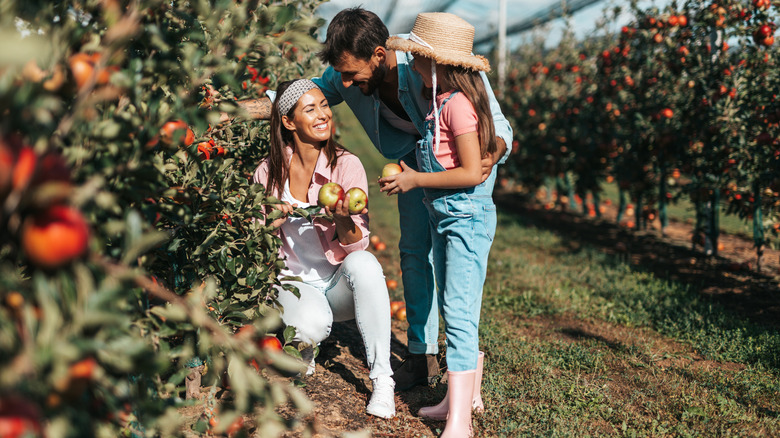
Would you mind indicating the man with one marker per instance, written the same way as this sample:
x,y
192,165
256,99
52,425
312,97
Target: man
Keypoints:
x,y
385,94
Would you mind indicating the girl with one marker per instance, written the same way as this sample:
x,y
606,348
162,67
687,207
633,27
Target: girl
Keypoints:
x,y
340,281
460,132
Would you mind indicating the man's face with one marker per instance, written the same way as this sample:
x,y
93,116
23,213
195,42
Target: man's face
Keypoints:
x,y
364,74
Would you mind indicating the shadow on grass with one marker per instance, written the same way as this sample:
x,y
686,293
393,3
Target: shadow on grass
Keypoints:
x,y
744,295
749,293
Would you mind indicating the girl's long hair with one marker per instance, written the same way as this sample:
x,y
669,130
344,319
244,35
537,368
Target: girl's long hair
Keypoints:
x,y
470,83
280,137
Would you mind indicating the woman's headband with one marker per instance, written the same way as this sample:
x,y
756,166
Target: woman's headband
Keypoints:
x,y
294,92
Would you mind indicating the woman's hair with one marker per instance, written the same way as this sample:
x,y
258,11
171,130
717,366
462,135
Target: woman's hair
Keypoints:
x,y
470,83
355,31
280,137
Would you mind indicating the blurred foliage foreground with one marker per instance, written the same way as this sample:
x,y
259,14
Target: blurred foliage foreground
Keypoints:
x,y
133,248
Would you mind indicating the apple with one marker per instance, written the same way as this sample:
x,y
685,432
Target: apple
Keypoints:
x,y
394,306
358,200
205,149
391,169
392,284
380,246
400,314
26,162
170,129
269,342
82,66
83,369
330,194
7,160
19,417
55,237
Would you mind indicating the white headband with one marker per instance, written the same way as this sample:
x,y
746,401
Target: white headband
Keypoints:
x,y
294,92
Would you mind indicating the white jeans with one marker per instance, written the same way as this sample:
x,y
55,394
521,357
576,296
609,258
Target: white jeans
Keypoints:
x,y
356,291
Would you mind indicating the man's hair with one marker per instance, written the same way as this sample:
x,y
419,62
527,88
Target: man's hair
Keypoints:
x,y
355,31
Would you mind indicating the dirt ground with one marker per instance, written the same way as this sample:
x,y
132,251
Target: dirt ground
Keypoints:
x,y
340,388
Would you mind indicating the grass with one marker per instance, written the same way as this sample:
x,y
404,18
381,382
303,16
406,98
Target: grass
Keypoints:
x,y
582,344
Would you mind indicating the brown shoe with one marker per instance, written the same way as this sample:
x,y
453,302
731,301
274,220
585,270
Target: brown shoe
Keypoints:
x,y
416,369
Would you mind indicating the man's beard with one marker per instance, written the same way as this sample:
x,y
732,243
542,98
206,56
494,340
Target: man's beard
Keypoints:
x,y
375,80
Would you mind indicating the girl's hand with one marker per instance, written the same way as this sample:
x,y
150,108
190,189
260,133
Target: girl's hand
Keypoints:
x,y
399,183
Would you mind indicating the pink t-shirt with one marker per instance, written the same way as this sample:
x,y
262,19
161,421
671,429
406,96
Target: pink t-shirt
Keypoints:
x,y
458,117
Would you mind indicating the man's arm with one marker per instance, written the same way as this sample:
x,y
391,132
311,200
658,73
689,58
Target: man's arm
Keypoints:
x,y
260,109
503,128
256,109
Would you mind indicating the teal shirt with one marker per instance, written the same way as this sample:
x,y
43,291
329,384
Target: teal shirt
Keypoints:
x,y
391,142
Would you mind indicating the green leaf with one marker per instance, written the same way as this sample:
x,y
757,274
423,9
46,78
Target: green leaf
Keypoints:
x,y
146,242
209,240
289,334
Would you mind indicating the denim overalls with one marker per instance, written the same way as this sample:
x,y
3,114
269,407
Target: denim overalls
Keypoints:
x,y
463,224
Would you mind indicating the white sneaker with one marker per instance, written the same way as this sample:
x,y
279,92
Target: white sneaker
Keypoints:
x,y
307,355
382,403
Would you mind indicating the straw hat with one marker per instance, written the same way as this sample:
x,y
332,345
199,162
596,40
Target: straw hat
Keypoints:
x,y
443,37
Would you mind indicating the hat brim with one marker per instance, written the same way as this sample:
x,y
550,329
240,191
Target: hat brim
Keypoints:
x,y
471,62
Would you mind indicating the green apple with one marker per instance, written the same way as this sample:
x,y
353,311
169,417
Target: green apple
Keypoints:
x,y
358,200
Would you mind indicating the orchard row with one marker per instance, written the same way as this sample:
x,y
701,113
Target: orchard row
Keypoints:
x,y
680,103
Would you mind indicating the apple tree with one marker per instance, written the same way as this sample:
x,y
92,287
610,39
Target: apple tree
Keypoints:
x,y
132,245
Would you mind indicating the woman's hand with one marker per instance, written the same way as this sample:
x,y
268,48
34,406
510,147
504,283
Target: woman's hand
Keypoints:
x,y
346,230
286,210
401,182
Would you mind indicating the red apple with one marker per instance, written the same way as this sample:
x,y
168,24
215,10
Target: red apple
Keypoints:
x,y
26,162
764,30
391,169
269,342
358,200
83,369
330,195
19,417
55,237
7,160
176,132
400,314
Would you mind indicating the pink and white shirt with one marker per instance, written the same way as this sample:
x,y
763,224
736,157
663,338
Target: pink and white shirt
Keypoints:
x,y
348,172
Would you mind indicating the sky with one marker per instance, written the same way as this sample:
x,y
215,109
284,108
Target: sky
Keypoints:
x,y
483,14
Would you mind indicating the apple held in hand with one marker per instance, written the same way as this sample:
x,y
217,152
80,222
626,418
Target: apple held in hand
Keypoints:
x,y
391,169
330,195
358,200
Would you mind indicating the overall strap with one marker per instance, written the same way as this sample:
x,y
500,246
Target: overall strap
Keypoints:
x,y
445,101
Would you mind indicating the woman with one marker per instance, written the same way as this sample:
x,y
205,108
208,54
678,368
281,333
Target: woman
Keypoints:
x,y
339,279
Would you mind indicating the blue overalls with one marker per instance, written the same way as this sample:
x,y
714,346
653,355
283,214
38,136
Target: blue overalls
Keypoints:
x,y
463,224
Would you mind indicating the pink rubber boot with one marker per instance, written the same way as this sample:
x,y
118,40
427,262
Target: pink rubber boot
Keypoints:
x,y
460,393
439,411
